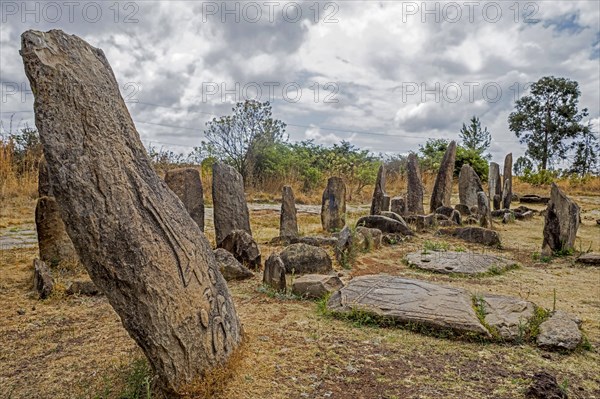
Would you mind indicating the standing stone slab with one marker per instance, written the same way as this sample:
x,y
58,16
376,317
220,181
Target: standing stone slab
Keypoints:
x,y
43,283
561,222
414,194
133,235
442,188
44,187
409,301
398,205
507,193
333,205
484,211
54,243
469,184
495,185
288,224
377,204
229,204
274,274
186,183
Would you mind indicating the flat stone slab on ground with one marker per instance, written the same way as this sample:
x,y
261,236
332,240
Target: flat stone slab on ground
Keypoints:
x,y
590,258
508,315
457,262
409,301
559,332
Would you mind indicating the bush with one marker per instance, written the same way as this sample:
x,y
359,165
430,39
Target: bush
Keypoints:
x,y
541,178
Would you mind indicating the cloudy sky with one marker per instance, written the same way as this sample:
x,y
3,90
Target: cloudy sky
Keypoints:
x,y
384,75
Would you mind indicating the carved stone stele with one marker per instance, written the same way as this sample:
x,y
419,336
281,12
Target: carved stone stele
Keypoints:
x,y
133,235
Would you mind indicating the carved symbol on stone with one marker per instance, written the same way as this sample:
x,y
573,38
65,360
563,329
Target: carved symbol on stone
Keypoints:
x,y
183,254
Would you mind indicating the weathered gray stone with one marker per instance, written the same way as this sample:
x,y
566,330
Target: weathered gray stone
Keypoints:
x,y
333,205
507,194
501,212
445,210
484,211
274,274
469,184
508,217
509,316
230,267
424,222
497,201
305,259
457,262
524,215
559,332
414,190
317,241
243,247
54,243
533,199
87,288
442,188
386,203
590,259
368,238
230,210
344,244
477,235
463,209
385,224
315,286
398,205
379,192
288,224
561,222
495,185
455,217
409,301
43,283
135,238
187,185
44,187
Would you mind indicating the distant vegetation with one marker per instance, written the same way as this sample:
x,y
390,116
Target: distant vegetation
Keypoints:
x,y
251,140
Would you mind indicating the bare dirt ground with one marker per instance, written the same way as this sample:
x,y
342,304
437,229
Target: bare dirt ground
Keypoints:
x,y
76,347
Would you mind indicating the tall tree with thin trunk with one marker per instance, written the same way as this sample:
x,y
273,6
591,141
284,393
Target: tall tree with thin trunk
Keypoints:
x,y
475,138
547,119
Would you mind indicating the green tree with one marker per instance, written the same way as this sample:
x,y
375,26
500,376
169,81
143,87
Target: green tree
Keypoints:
x,y
547,118
475,138
433,152
587,151
238,139
522,164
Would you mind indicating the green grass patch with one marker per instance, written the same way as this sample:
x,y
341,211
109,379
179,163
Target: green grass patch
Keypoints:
x,y
436,246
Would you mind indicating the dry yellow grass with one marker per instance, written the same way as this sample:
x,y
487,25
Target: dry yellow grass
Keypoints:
x,y
76,347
